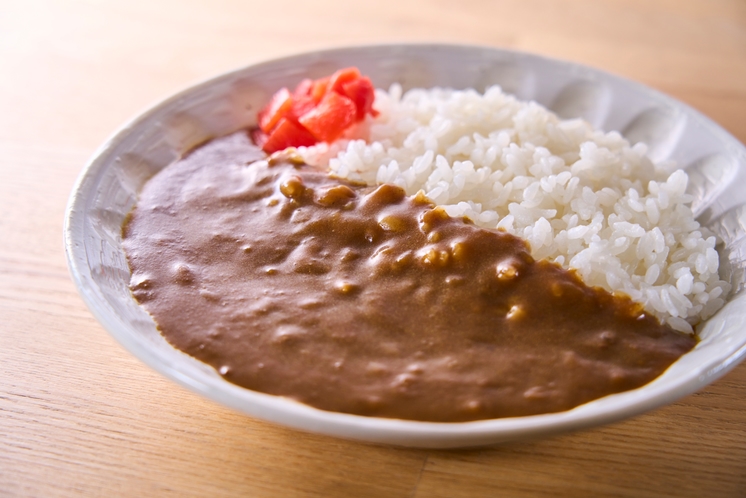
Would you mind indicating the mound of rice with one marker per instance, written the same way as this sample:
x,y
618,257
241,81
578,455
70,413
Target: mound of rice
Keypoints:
x,y
583,198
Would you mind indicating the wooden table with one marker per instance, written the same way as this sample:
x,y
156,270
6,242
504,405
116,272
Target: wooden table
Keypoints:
x,y
81,416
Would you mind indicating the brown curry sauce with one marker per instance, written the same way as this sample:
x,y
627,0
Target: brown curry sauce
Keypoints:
x,y
363,300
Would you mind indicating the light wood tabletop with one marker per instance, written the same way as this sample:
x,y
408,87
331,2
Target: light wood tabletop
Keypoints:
x,y
80,416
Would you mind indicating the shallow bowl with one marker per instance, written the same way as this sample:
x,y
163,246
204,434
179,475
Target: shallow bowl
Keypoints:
x,y
108,187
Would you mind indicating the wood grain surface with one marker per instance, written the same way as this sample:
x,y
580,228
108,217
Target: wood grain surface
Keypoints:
x,y
79,416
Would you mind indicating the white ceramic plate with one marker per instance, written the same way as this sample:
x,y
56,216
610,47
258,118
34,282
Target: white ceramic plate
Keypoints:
x,y
108,186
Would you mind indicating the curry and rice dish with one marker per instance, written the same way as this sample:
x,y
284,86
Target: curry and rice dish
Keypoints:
x,y
407,284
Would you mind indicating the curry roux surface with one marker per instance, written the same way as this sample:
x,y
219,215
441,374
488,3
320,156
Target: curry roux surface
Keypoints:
x,y
362,300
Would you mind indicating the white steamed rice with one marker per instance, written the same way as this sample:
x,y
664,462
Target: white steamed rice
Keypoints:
x,y
583,198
